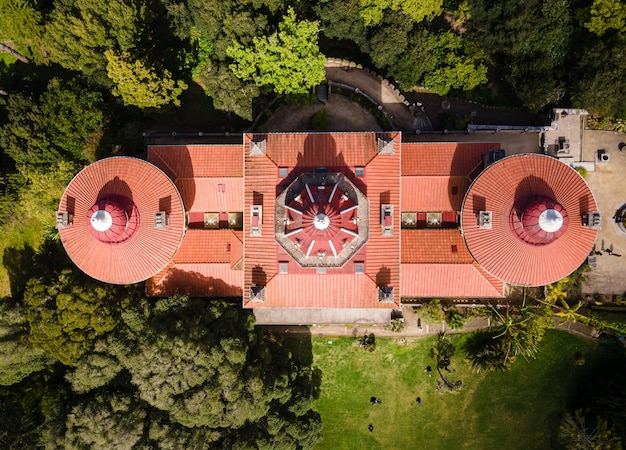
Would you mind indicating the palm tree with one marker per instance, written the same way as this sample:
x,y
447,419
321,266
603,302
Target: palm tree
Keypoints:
x,y
487,353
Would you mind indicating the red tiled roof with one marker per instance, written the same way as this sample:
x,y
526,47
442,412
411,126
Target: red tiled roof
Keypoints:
x,y
433,193
448,280
434,246
261,178
443,158
209,246
149,249
381,185
212,280
321,149
321,291
198,161
501,251
211,194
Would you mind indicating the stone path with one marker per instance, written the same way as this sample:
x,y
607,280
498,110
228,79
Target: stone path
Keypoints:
x,y
384,94
411,328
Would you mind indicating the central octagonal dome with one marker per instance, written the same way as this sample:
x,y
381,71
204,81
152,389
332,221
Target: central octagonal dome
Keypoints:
x,y
322,220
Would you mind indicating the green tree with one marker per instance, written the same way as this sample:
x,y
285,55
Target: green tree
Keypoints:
x,y
95,369
214,369
454,319
372,10
598,84
80,31
341,20
290,60
442,62
606,15
21,22
228,92
52,127
389,41
526,42
139,85
18,357
66,313
487,353
576,434
108,420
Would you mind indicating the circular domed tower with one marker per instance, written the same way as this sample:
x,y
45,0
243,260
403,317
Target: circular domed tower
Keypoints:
x,y
121,220
522,220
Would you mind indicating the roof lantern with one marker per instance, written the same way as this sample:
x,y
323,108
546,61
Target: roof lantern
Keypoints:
x,y
323,219
113,219
538,220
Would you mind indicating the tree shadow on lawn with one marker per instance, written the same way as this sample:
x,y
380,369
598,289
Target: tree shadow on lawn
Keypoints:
x,y
22,264
19,263
297,348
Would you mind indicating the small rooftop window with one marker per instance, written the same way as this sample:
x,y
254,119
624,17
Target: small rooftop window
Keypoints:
x,y
283,267
283,172
359,171
358,268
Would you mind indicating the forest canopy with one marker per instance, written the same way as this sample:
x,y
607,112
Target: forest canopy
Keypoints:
x,y
82,79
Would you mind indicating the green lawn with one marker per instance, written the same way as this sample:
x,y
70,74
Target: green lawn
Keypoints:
x,y
518,409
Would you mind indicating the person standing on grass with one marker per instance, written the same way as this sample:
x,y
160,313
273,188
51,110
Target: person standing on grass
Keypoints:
x,y
418,400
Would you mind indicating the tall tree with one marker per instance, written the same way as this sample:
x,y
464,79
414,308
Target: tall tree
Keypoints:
x,y
107,420
576,434
289,61
139,85
442,62
66,313
80,31
372,10
527,41
18,357
22,23
52,127
606,15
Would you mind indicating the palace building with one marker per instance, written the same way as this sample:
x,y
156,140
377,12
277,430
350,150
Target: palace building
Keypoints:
x,y
328,227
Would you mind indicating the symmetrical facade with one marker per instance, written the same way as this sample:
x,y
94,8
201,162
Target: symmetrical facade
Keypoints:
x,y
312,222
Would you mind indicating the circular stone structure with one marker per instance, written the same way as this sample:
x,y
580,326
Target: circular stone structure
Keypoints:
x,y
536,234
322,220
111,234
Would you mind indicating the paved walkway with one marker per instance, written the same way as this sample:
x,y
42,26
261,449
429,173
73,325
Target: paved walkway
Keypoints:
x,y
412,330
384,94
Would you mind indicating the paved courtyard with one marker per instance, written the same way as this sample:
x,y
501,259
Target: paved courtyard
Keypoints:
x,y
607,184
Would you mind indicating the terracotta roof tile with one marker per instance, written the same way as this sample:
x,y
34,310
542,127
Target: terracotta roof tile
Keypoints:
x,y
448,280
149,250
211,280
433,193
209,246
321,291
261,178
499,250
211,194
262,185
383,187
443,158
198,161
434,246
321,149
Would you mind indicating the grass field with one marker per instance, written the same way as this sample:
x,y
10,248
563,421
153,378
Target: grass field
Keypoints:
x,y
518,409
